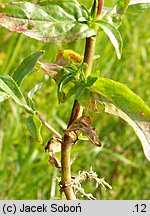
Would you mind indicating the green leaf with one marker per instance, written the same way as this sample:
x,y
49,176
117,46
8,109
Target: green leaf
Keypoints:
x,y
9,86
113,35
136,6
114,15
31,94
34,126
133,2
94,9
3,96
121,7
63,81
26,67
119,100
53,21
120,157
80,91
35,89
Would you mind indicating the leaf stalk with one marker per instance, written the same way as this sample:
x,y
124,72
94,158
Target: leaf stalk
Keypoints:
x,y
49,127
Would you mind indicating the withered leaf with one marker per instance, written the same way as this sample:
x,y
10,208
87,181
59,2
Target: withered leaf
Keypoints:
x,y
84,125
67,57
54,146
50,69
54,161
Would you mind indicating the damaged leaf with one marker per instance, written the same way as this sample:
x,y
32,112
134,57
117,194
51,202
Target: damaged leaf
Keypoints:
x,y
50,69
68,57
54,161
66,61
83,124
54,146
121,101
142,128
50,21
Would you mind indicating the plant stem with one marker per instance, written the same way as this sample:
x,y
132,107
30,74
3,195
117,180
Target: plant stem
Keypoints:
x,y
65,154
89,54
100,7
77,111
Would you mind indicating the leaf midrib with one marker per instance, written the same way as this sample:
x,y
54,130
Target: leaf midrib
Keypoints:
x,y
54,21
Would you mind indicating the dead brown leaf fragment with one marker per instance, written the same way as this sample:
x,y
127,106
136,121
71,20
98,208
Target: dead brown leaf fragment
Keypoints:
x,y
54,146
50,69
83,124
54,161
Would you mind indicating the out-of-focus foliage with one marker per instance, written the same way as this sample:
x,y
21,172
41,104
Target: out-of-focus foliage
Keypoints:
x,y
25,172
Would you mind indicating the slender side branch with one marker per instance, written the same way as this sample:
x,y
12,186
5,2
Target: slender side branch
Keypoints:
x,y
49,127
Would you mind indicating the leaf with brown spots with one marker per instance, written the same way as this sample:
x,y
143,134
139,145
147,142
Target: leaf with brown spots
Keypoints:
x,y
119,100
50,69
50,21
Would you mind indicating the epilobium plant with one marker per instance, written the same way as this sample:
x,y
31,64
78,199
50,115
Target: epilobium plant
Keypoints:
x,y
59,21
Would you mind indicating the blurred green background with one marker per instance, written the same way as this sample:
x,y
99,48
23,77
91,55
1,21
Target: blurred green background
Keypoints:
x,y
25,172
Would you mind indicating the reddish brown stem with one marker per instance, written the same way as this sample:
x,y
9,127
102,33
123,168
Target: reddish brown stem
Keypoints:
x,y
100,7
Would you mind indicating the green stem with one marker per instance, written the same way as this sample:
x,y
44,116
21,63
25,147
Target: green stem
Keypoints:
x,y
77,111
65,169
66,181
90,44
